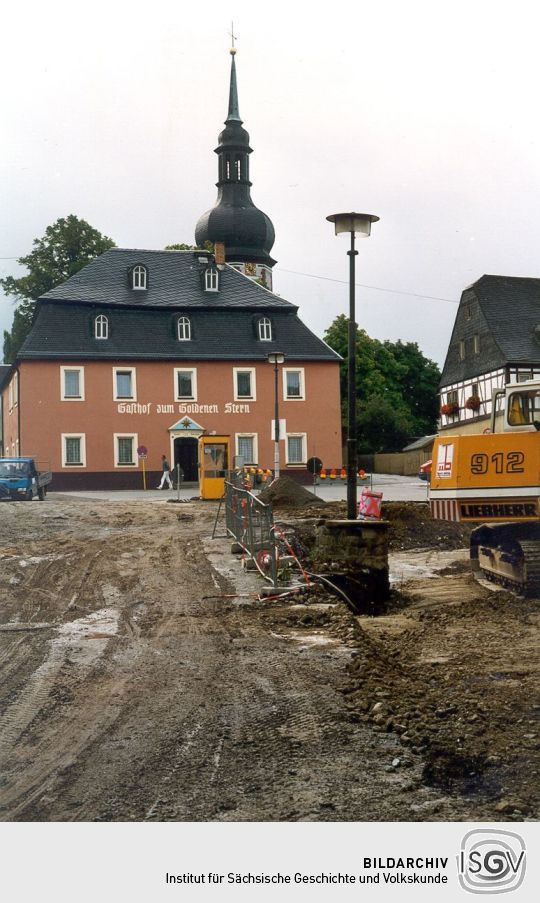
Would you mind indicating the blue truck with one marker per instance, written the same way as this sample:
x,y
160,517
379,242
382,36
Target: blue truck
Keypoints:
x,y
20,479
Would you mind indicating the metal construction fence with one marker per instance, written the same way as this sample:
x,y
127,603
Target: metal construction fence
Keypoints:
x,y
250,522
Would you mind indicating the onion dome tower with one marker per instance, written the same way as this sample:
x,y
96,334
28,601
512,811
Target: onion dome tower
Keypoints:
x,y
234,221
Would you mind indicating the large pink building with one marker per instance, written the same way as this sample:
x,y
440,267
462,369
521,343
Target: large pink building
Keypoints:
x,y
155,348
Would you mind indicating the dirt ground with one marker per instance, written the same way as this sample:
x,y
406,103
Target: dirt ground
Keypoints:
x,y
141,679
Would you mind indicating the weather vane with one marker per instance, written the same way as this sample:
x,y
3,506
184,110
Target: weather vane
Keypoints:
x,y
233,38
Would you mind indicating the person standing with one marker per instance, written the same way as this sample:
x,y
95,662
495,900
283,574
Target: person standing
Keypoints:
x,y
166,478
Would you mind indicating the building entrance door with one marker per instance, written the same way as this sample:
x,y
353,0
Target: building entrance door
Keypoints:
x,y
187,456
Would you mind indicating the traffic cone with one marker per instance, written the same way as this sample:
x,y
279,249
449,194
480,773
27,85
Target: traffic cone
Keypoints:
x,y
333,474
322,474
343,474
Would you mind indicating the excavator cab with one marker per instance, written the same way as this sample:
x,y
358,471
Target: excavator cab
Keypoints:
x,y
521,407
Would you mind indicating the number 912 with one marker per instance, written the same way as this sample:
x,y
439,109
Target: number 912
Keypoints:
x,y
511,462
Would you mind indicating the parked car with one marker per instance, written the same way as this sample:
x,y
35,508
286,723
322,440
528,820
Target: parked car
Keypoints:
x,y
21,480
425,471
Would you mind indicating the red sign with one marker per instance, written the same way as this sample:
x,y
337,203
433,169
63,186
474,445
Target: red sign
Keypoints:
x,y
142,451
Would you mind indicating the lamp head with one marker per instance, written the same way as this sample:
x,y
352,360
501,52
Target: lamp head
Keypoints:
x,y
353,222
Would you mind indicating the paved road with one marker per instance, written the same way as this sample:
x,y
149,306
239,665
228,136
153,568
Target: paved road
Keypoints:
x,y
393,487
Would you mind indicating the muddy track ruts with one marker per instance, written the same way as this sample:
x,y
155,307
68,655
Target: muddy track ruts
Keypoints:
x,y
146,701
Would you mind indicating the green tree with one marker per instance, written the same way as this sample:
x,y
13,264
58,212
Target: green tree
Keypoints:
x,y
67,246
418,382
396,388
382,425
181,246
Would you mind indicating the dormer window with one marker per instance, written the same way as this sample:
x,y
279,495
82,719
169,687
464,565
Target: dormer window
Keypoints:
x,y
101,327
265,330
211,280
184,329
139,278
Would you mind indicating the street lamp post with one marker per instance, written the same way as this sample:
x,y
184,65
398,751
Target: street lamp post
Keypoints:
x,y
352,223
275,358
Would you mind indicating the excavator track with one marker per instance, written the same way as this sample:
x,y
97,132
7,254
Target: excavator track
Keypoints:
x,y
508,554
531,550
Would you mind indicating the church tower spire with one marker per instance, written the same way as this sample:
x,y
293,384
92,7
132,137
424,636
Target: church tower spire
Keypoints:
x,y
234,113
234,220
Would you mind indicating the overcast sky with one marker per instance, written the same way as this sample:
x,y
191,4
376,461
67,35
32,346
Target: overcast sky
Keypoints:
x,y
423,113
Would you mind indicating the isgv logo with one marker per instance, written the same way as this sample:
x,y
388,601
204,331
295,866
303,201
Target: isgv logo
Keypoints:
x,y
491,861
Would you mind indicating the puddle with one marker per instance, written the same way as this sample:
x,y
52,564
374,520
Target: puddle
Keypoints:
x,y
74,632
405,566
71,644
315,639
307,639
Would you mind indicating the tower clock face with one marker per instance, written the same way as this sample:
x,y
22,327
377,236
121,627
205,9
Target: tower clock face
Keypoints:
x,y
251,269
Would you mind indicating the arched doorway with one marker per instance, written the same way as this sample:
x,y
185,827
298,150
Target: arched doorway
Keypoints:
x,y
185,447
186,454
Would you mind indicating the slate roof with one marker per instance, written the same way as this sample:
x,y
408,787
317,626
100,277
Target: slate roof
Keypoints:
x,y
151,334
143,325
504,311
174,280
418,444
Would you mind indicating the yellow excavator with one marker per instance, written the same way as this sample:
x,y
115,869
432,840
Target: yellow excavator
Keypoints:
x,y
493,478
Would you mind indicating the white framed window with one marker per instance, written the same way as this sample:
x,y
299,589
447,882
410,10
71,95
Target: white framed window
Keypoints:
x,y
15,388
101,327
293,384
211,280
183,327
248,447
185,384
244,384
124,383
125,446
295,448
139,278
476,343
461,350
10,395
73,450
72,383
265,330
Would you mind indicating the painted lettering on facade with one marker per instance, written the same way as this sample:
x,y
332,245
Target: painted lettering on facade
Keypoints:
x,y
183,407
232,408
134,407
194,408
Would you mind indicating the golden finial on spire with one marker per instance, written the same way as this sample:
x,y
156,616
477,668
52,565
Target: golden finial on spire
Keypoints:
x,y
233,37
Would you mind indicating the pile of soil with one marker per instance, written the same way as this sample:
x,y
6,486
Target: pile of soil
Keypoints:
x,y
411,524
412,527
287,493
442,676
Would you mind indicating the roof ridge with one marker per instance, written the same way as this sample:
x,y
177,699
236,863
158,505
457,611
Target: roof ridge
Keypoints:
x,y
156,250
506,277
